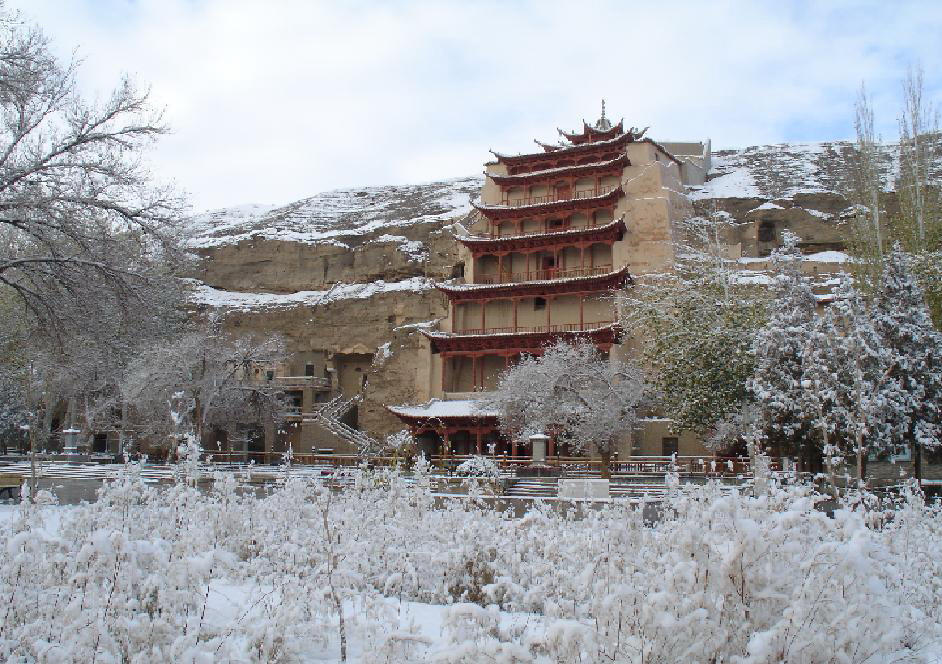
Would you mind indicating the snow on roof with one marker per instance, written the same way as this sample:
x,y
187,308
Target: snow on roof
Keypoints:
x,y
827,257
768,205
533,283
329,217
550,171
214,297
439,408
554,234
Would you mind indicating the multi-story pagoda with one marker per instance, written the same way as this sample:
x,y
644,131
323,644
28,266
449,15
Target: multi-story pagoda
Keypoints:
x,y
553,234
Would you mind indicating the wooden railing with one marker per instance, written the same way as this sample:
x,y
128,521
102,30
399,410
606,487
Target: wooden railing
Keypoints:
x,y
301,382
542,275
495,234
537,329
696,466
556,198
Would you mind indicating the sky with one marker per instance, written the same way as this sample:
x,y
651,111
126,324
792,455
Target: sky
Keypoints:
x,y
272,101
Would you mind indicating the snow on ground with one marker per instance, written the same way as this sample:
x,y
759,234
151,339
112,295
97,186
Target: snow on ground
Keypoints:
x,y
235,300
180,574
784,170
334,215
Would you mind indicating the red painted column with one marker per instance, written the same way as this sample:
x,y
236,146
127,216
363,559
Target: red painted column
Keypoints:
x,y
444,369
483,308
474,372
515,300
549,309
478,446
581,306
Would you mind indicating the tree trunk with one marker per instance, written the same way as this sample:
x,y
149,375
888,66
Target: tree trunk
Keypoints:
x,y
606,470
917,463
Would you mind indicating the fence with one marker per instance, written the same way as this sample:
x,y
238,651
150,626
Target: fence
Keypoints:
x,y
703,466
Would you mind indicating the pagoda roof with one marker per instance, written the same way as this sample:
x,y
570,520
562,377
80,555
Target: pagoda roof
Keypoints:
x,y
593,133
497,212
437,409
610,231
620,161
616,141
584,284
523,339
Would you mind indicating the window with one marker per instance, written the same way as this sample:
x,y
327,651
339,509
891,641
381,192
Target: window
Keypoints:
x,y
310,370
539,303
767,231
269,375
668,446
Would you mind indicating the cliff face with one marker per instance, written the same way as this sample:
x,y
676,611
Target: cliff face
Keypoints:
x,y
343,274
351,273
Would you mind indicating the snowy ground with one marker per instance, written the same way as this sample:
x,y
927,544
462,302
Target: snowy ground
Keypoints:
x,y
186,575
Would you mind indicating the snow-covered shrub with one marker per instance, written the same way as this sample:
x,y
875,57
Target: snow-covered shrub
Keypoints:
x,y
479,466
179,574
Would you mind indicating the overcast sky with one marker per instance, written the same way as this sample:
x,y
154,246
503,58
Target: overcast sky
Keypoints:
x,y
271,101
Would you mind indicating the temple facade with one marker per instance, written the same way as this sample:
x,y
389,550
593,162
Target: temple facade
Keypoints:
x,y
552,236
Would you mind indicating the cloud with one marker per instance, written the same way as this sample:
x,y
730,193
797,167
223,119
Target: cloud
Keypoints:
x,y
273,101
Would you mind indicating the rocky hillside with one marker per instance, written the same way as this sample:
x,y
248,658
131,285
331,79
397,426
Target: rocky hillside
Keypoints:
x,y
350,236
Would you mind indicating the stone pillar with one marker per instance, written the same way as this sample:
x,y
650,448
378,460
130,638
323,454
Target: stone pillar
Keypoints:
x,y
538,447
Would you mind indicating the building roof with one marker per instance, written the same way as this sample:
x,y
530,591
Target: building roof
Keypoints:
x,y
625,137
602,336
620,161
582,284
439,409
568,233
547,207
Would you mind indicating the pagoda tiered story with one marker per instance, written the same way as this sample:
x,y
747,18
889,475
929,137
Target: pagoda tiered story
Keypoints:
x,y
553,235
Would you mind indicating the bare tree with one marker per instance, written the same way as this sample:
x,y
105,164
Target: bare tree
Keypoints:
x,y
84,231
573,391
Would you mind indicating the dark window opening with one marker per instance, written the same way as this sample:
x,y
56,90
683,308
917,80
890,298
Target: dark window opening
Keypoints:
x,y
539,303
100,443
310,370
668,446
767,231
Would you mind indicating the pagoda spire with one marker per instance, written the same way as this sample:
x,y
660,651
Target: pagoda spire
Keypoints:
x,y
602,124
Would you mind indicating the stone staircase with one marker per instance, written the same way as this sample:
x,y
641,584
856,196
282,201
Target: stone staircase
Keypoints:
x,y
329,417
533,487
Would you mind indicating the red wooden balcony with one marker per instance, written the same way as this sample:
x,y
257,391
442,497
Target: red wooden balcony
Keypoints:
x,y
542,275
536,329
556,198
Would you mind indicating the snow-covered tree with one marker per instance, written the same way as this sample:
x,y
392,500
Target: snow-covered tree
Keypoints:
x,y
586,399
203,380
695,326
850,368
902,319
780,346
88,244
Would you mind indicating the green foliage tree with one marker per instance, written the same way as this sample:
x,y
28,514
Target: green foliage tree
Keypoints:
x,y
695,327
